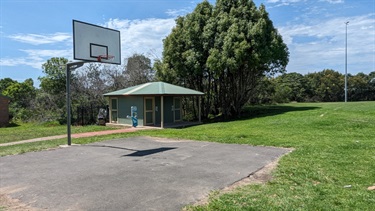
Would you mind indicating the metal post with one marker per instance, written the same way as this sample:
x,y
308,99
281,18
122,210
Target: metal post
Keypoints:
x,y
199,109
69,67
68,118
162,112
346,61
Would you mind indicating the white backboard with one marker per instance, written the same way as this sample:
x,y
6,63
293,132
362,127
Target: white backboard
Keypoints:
x,y
92,41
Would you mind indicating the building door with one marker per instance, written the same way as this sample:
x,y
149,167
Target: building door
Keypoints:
x,y
149,103
177,109
114,113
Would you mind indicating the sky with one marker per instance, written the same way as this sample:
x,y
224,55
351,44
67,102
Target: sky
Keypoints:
x,y
33,31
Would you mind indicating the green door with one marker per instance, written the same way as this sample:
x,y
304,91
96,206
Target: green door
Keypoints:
x,y
177,109
114,106
149,111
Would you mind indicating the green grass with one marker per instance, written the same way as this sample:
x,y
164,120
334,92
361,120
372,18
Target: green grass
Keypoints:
x,y
334,147
24,131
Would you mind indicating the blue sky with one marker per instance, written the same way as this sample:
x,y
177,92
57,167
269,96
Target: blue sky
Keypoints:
x,y
33,31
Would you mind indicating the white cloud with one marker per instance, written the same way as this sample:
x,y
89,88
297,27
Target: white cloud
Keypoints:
x,y
295,1
142,36
38,39
175,13
35,58
137,36
282,2
315,45
333,1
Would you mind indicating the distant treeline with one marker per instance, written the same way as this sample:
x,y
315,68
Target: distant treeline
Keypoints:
x,y
325,86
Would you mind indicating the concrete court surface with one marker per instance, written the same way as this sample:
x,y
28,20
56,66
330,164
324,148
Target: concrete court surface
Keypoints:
x,y
139,173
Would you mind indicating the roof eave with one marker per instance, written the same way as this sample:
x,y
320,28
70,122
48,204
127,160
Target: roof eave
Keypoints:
x,y
120,95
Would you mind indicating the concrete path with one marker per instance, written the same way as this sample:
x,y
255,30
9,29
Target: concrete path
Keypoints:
x,y
78,135
138,173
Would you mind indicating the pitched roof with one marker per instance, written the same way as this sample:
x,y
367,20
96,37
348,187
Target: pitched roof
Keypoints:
x,y
155,88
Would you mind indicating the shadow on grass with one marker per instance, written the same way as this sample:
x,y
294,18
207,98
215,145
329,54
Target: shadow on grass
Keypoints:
x,y
12,124
251,112
272,110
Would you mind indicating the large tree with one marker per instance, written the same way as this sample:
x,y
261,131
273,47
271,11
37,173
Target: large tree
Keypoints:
x,y
89,85
361,87
5,82
224,51
21,96
185,54
53,87
54,80
291,87
326,86
138,70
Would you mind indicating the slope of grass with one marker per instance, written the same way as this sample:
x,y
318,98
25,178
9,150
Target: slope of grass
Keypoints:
x,y
334,147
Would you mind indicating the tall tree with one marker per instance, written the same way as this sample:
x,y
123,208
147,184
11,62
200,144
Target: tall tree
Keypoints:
x,y
138,70
327,85
89,85
21,95
54,83
185,54
361,87
5,82
291,87
231,46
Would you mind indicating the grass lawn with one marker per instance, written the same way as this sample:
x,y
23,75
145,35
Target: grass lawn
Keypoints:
x,y
24,131
334,147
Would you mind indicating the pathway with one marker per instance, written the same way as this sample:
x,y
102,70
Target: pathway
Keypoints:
x,y
79,135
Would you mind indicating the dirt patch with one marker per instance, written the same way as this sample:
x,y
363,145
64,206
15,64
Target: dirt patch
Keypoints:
x,y
7,203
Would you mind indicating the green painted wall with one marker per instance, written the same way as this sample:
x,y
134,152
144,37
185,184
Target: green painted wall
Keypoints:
x,y
125,103
124,110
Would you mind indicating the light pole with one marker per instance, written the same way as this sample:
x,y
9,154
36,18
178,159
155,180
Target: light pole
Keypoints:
x,y
346,61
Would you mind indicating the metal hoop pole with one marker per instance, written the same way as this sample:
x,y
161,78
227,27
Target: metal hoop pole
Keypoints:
x,y
69,67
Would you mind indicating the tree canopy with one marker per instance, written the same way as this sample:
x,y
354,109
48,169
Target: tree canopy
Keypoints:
x,y
223,50
138,70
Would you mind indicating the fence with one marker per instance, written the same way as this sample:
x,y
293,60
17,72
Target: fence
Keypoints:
x,y
88,115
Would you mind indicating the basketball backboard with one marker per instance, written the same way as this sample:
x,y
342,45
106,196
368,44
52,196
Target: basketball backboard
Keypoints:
x,y
96,43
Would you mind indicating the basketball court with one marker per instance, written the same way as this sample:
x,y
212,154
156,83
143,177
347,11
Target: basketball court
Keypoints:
x,y
140,173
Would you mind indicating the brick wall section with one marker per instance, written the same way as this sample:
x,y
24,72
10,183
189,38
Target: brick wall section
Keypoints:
x,y
4,111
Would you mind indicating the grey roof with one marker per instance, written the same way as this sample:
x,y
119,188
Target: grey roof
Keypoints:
x,y
155,88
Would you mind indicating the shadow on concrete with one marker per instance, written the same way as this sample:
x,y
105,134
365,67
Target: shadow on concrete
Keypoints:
x,y
141,153
137,153
113,147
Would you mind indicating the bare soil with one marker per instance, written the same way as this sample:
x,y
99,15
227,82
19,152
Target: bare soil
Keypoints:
x,y
8,203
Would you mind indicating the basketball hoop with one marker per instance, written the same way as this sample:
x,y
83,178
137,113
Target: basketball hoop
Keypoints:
x,y
105,57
